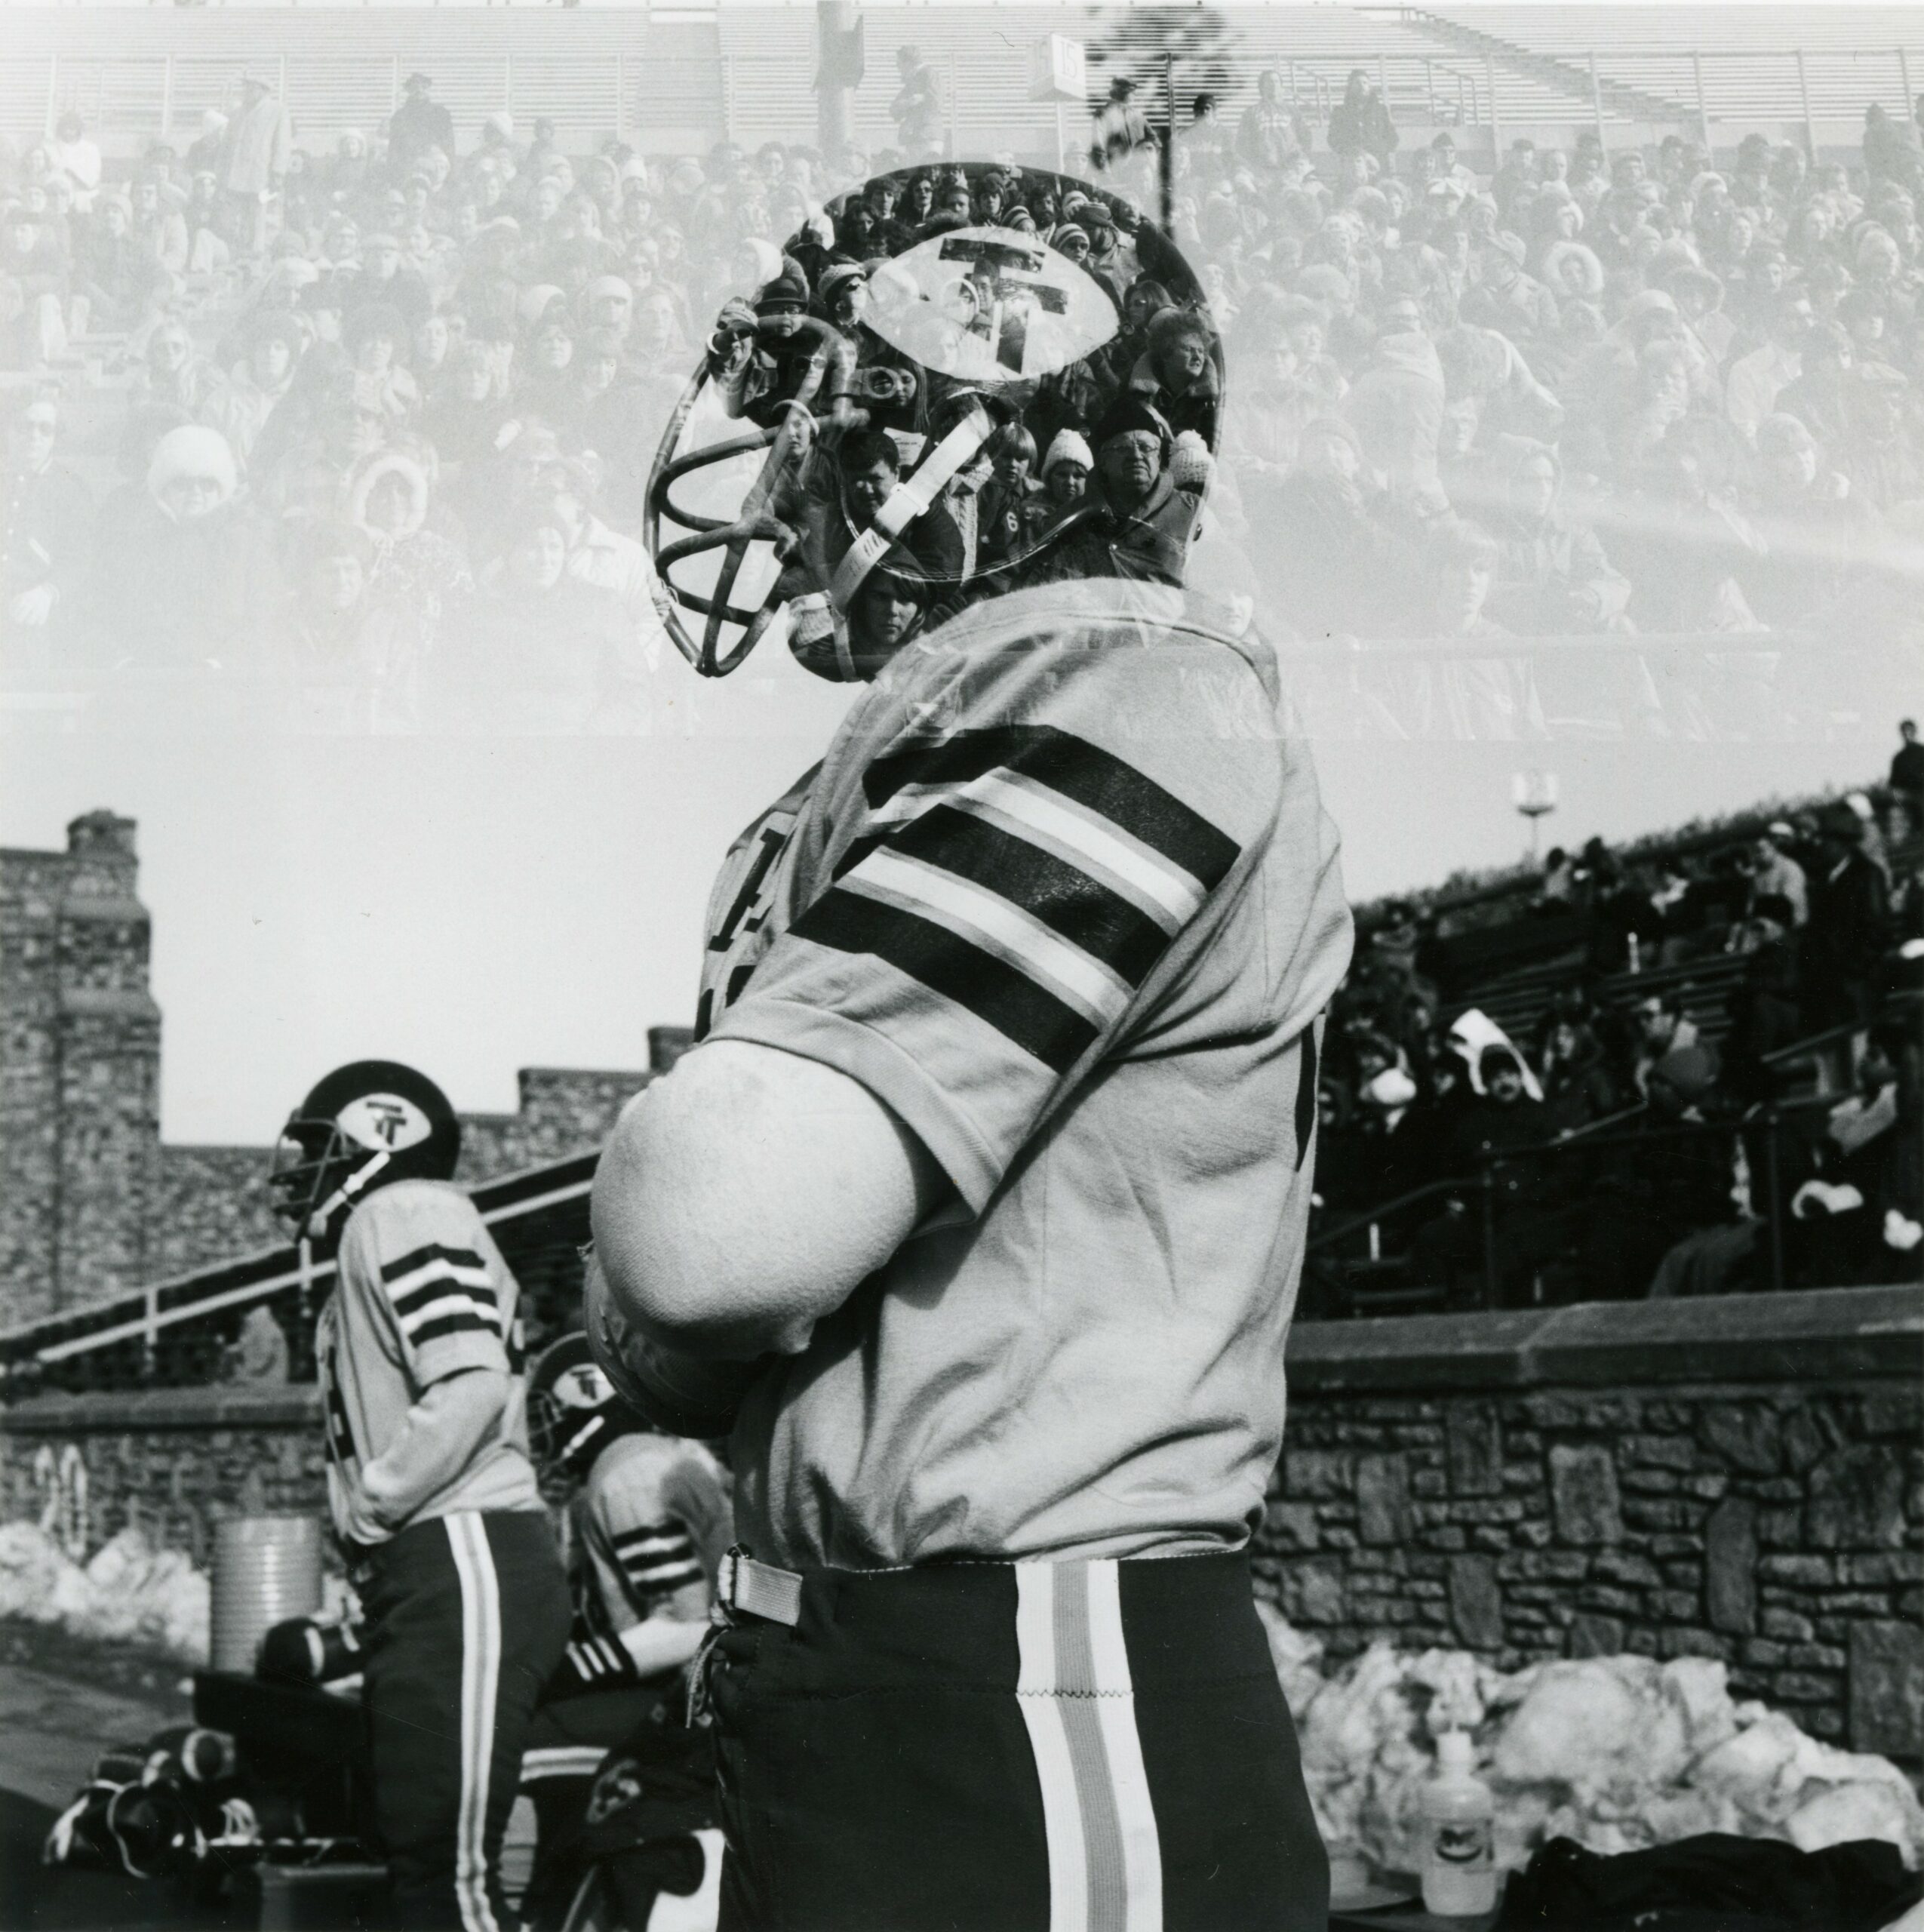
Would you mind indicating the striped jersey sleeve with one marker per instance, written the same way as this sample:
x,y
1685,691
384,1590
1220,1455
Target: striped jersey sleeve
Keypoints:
x,y
439,1278
1007,872
649,1507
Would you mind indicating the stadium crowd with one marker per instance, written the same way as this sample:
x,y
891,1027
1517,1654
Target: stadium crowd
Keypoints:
x,y
1630,1150
391,412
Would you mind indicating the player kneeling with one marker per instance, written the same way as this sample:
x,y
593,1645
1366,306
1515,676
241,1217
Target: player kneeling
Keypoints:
x,y
651,1519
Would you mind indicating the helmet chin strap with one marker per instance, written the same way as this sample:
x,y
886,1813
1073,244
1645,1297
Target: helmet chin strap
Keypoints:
x,y
343,1196
907,501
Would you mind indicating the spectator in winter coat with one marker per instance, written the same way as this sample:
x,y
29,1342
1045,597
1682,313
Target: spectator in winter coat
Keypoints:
x,y
1842,945
46,519
1360,124
1553,579
190,585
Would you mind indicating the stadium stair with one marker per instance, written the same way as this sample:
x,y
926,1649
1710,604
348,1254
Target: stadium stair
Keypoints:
x,y
1620,100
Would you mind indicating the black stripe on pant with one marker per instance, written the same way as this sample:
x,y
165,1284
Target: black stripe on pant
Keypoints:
x,y
467,1617
1074,1747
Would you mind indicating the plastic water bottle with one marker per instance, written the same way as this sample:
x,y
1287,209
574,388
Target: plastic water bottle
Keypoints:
x,y
1459,1851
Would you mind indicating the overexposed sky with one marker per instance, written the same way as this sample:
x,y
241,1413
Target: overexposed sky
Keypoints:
x,y
474,907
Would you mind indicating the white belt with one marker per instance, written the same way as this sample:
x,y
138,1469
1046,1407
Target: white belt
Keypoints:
x,y
758,1589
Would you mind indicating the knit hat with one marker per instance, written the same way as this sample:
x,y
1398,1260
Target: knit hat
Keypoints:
x,y
1067,446
192,450
1191,465
1126,413
788,288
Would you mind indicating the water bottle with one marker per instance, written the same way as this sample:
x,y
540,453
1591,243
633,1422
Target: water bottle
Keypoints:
x,y
1459,1852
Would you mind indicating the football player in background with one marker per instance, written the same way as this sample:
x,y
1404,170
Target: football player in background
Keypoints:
x,y
430,1484
651,1520
978,1211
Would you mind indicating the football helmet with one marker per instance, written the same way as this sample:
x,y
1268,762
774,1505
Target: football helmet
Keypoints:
x,y
936,333
574,1413
363,1126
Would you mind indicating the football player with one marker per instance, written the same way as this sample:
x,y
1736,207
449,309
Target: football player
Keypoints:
x,y
978,1211
651,1520
429,1485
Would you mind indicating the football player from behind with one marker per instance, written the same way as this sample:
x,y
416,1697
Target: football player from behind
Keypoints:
x,y
977,1213
429,1484
651,1520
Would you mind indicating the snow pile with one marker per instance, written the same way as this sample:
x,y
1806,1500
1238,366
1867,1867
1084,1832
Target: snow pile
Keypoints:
x,y
1615,1752
130,1591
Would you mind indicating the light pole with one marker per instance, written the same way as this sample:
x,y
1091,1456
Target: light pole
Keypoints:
x,y
1534,794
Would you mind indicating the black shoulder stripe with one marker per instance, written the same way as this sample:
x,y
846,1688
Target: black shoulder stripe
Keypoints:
x,y
993,990
454,1323
460,1257
439,1284
1097,780
1063,896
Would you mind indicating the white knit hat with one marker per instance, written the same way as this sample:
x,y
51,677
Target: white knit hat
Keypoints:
x,y
1069,443
192,450
1190,465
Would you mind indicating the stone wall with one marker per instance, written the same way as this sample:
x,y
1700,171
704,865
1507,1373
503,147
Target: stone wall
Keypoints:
x,y
1742,1479
79,1071
91,1200
175,1461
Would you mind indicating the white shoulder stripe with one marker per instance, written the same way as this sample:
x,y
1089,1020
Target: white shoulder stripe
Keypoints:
x,y
1165,891
440,1269
991,922
458,1302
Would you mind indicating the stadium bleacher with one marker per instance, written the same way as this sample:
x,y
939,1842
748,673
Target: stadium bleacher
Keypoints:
x,y
670,80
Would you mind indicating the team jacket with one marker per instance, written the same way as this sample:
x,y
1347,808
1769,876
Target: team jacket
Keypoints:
x,y
1064,897
421,1294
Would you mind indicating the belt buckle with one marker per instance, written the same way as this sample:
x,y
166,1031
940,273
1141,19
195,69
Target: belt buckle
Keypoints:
x,y
726,1576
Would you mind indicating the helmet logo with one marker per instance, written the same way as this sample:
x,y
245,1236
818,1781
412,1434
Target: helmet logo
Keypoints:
x,y
990,305
582,1388
384,1123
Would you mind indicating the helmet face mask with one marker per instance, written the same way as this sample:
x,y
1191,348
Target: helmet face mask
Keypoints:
x,y
960,327
364,1126
574,1413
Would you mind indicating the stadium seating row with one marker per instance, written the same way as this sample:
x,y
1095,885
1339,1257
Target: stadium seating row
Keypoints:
x,y
681,79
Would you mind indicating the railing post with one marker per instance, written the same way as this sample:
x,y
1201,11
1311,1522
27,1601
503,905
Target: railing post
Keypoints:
x,y
1803,91
282,91
1773,1184
1495,120
1383,77
1703,105
728,97
393,82
508,85
150,1335
954,110
166,99
1904,78
1489,1235
1596,99
621,97
52,94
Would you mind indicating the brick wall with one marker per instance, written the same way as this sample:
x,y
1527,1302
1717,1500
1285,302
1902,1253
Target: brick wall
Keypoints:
x,y
175,1461
91,1201
79,1071
1742,1479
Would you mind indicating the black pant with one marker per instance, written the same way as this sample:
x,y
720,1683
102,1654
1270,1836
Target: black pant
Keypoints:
x,y
467,1617
565,1745
987,1747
